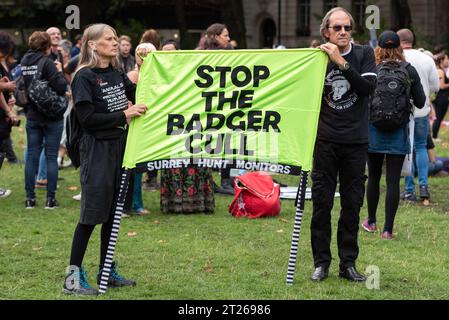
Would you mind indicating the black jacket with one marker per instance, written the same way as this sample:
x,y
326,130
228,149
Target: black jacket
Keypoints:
x,y
49,72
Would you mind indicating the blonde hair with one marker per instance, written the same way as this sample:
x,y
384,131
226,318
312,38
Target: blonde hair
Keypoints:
x,y
88,56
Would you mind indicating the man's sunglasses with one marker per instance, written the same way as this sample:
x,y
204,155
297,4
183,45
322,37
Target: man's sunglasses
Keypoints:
x,y
338,28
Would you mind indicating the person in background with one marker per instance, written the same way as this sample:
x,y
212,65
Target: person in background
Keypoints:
x,y
76,48
217,38
7,87
7,116
438,166
55,36
104,115
392,145
429,80
38,127
169,45
126,60
315,44
441,101
151,36
341,146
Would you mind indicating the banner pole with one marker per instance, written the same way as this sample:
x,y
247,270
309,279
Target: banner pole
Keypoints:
x,y
119,207
300,201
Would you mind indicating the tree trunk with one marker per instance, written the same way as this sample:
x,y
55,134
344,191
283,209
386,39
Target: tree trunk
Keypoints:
x,y
234,18
402,13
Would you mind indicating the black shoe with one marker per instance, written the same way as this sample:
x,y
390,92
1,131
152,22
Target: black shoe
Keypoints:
x,y
352,275
226,187
151,184
408,196
51,204
320,274
30,203
424,192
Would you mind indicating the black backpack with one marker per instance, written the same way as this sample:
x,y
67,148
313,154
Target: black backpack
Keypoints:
x,y
74,133
47,101
391,107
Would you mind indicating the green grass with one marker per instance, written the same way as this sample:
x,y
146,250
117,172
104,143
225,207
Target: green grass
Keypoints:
x,y
216,256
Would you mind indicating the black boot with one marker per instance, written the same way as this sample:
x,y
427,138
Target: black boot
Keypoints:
x,y
115,279
227,186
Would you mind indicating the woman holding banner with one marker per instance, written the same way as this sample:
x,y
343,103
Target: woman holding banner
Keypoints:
x,y
100,97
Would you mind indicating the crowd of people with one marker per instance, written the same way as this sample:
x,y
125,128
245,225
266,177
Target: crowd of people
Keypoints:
x,y
98,75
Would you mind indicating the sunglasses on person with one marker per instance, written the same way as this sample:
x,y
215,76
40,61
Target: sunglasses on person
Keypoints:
x,y
338,28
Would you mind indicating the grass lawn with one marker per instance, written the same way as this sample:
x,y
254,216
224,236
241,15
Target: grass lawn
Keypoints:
x,y
217,256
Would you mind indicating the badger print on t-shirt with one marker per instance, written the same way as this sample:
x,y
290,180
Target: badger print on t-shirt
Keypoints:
x,y
338,93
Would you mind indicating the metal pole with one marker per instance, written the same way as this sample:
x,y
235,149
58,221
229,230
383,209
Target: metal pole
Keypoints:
x,y
300,201
124,184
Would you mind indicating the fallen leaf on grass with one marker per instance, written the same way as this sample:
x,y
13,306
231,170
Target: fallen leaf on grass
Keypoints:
x,y
37,248
132,234
264,274
280,231
283,220
208,267
162,241
156,222
73,188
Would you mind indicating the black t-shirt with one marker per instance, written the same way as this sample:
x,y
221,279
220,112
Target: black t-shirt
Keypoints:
x,y
345,102
100,96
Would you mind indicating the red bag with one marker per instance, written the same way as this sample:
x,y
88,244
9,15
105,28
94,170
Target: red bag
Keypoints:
x,y
256,195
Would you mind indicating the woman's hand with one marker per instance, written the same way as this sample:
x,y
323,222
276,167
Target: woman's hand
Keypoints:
x,y
12,115
134,111
58,65
11,101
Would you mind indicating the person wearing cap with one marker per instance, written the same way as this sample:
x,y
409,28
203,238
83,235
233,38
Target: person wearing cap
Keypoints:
x,y
392,145
428,74
341,145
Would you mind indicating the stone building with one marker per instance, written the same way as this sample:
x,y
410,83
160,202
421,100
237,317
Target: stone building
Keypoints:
x,y
300,19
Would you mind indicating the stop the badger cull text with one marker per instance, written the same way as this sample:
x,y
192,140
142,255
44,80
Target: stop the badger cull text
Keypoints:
x,y
256,121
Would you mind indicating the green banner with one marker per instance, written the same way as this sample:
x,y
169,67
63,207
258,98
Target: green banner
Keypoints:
x,y
249,109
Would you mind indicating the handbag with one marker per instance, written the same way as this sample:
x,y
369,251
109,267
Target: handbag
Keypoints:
x,y
46,100
256,196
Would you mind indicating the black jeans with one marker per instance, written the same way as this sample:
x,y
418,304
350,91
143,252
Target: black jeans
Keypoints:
x,y
348,163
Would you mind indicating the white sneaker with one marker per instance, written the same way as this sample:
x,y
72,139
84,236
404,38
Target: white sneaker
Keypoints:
x,y
77,197
66,163
4,193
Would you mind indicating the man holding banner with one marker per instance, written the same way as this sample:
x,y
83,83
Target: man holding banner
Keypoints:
x,y
341,145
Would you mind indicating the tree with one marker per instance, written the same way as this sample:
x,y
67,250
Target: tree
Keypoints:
x,y
401,10
234,18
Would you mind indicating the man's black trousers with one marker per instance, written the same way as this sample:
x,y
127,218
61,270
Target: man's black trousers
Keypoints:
x,y
347,162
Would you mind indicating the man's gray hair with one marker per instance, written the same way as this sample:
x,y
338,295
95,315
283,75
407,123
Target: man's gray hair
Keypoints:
x,y
325,22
